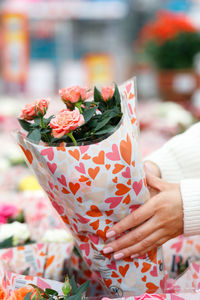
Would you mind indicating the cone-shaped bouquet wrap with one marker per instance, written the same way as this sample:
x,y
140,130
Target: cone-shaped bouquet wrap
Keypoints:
x,y
94,186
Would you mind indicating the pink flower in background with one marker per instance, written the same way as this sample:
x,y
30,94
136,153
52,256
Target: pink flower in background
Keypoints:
x,y
29,112
3,220
42,106
150,296
74,93
107,92
7,210
65,122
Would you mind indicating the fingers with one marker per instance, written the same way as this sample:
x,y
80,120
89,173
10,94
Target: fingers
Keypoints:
x,y
133,237
147,244
155,182
136,218
152,168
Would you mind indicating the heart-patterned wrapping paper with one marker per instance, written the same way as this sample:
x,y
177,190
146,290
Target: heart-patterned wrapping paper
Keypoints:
x,y
94,186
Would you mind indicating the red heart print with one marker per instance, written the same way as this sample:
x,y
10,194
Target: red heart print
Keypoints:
x,y
65,191
94,212
109,213
75,154
28,154
102,233
108,282
127,200
86,248
114,155
89,183
62,180
134,207
122,189
123,270
48,152
93,172
152,288
144,278
52,167
137,186
114,201
112,265
146,267
82,220
114,275
95,225
74,187
83,178
117,168
80,168
86,157
100,159
126,149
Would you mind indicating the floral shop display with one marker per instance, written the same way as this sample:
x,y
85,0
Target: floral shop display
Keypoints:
x,y
172,42
87,160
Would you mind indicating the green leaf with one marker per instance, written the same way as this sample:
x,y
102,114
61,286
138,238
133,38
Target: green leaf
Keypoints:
x,y
48,120
106,117
34,136
88,114
116,95
25,125
7,243
97,95
75,297
83,288
73,285
51,292
37,121
106,129
26,271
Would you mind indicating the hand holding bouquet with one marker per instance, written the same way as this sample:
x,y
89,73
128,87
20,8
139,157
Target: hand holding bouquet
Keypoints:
x,y
89,164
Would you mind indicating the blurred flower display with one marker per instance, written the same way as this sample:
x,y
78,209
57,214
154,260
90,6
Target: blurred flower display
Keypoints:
x,y
171,41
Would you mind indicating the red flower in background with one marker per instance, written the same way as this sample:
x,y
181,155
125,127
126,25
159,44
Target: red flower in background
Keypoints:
x,y
165,27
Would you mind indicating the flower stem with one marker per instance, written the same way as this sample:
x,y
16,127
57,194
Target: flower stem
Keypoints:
x,y
78,105
42,121
70,134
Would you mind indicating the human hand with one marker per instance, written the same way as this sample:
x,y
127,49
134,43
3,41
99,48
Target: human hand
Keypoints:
x,y
151,225
151,168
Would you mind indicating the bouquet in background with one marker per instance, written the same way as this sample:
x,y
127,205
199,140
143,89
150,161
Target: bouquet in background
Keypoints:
x,y
87,160
171,40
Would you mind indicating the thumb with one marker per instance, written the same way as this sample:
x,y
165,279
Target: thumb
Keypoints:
x,y
155,182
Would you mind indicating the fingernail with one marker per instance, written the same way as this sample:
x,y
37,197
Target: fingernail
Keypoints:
x,y
118,256
110,234
108,250
134,256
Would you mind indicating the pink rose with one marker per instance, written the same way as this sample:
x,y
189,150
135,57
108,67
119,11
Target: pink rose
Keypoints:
x,y
29,112
7,210
65,122
107,92
42,106
73,94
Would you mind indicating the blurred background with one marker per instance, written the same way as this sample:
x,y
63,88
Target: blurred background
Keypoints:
x,y
50,44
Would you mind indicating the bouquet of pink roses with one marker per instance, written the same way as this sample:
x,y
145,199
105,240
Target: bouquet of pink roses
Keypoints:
x,y
87,159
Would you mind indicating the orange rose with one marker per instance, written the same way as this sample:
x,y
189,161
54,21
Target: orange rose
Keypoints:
x,y
107,92
73,94
65,122
19,294
42,106
29,112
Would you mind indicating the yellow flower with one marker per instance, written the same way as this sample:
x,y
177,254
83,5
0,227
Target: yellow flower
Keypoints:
x,y
29,183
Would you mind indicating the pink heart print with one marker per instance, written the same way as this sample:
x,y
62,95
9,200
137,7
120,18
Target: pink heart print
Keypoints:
x,y
137,186
80,168
127,173
86,248
114,155
49,152
62,180
52,167
115,201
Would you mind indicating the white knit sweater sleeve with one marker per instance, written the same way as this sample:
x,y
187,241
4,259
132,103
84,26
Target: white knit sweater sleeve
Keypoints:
x,y
179,161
